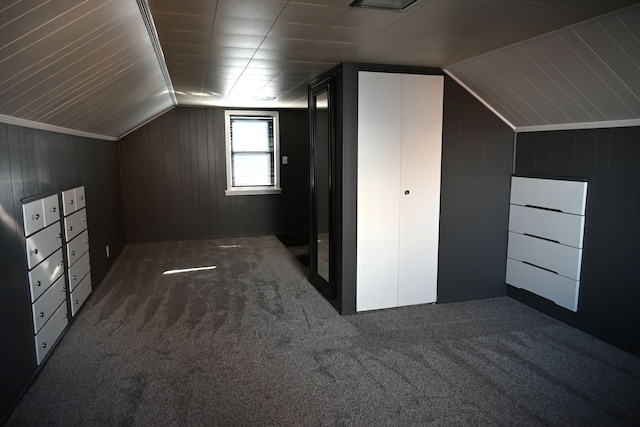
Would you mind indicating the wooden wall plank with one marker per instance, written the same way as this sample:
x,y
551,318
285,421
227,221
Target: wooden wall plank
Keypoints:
x,y
610,161
190,148
202,178
477,153
31,163
212,177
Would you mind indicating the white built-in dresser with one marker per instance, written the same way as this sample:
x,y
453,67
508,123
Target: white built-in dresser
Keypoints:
x,y
45,262
76,247
546,233
57,251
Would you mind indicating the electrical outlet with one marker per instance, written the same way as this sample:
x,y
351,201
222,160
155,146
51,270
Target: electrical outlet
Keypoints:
x,y
106,249
285,160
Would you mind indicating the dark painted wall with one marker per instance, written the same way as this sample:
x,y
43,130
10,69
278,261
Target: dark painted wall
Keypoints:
x,y
477,159
33,162
609,300
174,178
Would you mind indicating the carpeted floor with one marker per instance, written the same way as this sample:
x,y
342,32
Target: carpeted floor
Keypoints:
x,y
252,343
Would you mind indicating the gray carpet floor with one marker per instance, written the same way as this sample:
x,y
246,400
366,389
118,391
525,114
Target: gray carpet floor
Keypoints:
x,y
252,343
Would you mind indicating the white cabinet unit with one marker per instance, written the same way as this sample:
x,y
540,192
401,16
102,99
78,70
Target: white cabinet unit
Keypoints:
x,y
41,219
546,232
77,247
398,202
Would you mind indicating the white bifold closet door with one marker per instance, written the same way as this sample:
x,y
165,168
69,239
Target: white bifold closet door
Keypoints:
x,y
399,160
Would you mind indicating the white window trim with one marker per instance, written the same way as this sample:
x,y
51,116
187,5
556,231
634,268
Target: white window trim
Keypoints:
x,y
250,191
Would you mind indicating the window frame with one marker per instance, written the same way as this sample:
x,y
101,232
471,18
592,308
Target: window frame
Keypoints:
x,y
259,189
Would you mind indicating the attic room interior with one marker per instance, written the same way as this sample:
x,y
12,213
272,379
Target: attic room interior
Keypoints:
x,y
320,212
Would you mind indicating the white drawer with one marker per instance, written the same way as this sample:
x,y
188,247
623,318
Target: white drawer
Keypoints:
x,y
47,304
69,202
566,196
80,294
51,210
42,244
41,277
77,247
559,289
33,217
79,195
564,260
562,228
75,224
49,334
79,270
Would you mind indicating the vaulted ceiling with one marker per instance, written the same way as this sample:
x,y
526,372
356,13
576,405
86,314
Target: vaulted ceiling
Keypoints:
x,y
104,67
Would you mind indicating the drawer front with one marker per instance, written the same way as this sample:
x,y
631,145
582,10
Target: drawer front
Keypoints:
x,y
80,201
564,260
47,304
33,217
77,247
51,210
68,202
41,277
554,287
48,335
42,244
80,294
563,228
566,196
79,270
75,224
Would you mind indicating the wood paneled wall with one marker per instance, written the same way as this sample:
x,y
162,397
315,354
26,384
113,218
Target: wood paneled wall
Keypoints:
x,y
174,178
609,300
477,159
33,162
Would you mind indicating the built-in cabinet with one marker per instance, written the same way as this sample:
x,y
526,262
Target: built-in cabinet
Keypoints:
x,y
77,247
384,137
45,263
399,157
57,254
546,233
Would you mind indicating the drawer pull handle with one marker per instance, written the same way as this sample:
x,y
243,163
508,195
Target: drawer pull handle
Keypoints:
x,y
53,209
76,301
73,253
71,228
36,217
35,251
38,283
61,263
59,235
75,278
81,197
41,314
71,201
44,345
66,315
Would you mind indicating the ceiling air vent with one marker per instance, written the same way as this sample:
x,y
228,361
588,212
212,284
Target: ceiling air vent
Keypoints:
x,y
384,4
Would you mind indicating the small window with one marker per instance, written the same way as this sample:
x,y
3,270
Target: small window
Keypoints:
x,y
253,141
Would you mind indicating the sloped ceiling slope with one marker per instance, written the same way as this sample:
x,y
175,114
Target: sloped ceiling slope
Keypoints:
x,y
587,75
240,52
85,65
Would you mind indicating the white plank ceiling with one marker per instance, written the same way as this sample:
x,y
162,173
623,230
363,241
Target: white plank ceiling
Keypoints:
x,y
100,66
85,65
587,75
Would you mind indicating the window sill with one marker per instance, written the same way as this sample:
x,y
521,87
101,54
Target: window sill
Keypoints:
x,y
252,191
